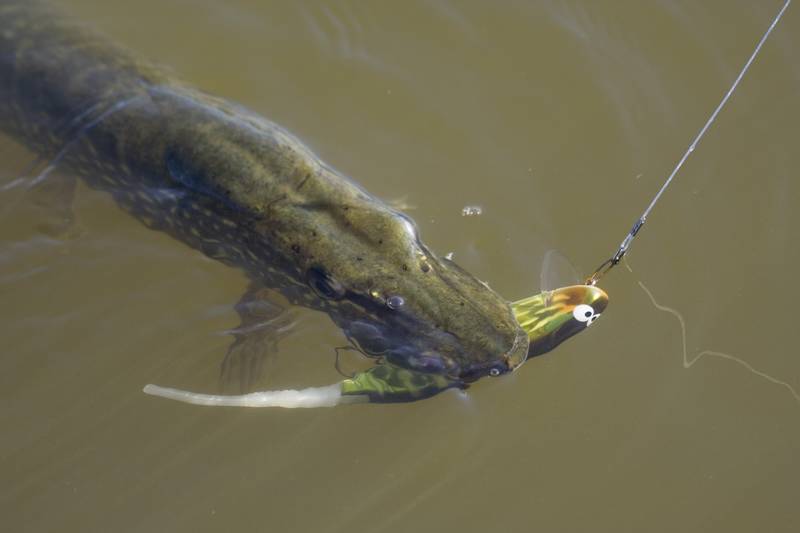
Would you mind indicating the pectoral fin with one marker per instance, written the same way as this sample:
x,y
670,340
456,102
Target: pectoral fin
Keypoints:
x,y
264,321
51,197
55,196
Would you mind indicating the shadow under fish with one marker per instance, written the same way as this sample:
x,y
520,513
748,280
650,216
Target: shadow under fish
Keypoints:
x,y
244,191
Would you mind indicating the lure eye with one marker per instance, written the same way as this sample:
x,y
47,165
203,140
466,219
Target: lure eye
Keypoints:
x,y
584,313
591,320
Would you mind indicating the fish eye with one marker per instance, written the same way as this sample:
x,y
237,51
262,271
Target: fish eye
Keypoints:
x,y
583,313
324,285
395,302
494,372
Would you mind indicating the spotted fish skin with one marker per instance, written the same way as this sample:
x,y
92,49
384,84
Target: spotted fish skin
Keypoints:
x,y
242,190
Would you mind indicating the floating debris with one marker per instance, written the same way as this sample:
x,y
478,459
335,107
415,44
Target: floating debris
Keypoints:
x,y
471,211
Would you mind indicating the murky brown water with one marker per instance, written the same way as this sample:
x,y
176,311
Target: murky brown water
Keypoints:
x,y
560,119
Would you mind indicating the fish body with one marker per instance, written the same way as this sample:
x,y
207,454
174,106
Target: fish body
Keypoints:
x,y
241,189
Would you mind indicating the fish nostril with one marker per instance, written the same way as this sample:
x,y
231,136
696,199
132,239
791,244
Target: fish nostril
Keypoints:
x,y
324,285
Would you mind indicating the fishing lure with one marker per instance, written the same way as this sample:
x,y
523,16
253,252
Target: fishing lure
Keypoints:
x,y
549,318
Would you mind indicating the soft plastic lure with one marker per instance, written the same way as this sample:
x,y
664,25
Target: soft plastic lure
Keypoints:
x,y
549,318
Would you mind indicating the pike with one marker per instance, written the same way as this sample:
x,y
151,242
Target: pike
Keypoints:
x,y
243,191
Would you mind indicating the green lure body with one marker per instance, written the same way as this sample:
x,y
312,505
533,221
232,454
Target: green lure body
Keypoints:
x,y
551,317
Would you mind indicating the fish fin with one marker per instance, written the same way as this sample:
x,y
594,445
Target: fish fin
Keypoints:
x,y
557,271
264,320
54,196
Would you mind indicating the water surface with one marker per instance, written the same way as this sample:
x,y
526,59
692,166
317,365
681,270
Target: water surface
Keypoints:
x,y
560,120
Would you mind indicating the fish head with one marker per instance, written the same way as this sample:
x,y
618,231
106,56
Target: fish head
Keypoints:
x,y
396,300
348,254
551,317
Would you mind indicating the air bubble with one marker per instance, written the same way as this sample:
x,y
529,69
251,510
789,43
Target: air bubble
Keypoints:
x,y
395,302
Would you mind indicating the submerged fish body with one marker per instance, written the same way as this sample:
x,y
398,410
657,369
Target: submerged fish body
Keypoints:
x,y
244,191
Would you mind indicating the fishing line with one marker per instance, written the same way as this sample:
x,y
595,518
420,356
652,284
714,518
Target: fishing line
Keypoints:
x,y
689,363
611,262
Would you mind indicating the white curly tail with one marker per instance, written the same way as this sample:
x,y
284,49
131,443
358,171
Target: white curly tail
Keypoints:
x,y
311,397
